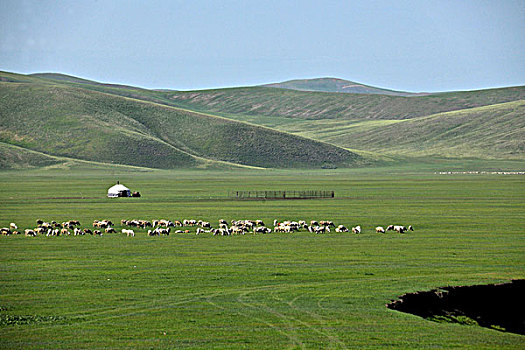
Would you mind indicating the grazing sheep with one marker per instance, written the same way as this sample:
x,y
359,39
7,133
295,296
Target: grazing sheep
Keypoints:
x,y
204,224
45,225
70,224
30,233
102,223
201,230
326,223
236,230
261,229
53,232
247,224
221,232
189,222
400,229
356,229
283,228
341,228
380,229
129,233
166,223
318,229
397,228
154,232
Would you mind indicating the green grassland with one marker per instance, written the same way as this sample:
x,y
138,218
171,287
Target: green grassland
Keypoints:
x,y
272,291
68,139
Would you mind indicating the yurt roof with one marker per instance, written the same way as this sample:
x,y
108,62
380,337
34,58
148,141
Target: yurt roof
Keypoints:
x,y
118,188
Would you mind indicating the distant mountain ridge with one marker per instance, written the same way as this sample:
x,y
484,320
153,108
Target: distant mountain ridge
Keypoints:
x,y
337,85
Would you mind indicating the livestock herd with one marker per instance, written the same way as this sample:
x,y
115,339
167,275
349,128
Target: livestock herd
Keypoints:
x,y
165,227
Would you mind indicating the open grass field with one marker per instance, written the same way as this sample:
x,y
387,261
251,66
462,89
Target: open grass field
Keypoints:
x,y
272,291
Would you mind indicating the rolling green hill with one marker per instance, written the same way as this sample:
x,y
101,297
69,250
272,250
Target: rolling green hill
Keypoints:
x,y
318,105
496,131
489,132
255,127
335,85
239,103
61,120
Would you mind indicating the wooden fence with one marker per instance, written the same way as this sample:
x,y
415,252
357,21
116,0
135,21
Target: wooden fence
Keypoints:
x,y
281,194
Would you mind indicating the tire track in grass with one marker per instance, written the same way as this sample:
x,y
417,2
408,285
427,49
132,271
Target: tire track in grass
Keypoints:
x,y
294,340
142,306
296,320
138,306
290,334
330,335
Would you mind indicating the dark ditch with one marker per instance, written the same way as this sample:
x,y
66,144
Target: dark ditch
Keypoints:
x,y
496,306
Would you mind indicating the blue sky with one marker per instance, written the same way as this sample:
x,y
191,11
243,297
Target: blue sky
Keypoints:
x,y
404,45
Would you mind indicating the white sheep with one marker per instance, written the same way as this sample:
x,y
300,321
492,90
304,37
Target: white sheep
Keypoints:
x,y
128,232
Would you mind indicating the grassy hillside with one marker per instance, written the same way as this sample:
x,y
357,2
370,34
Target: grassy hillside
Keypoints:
x,y
318,105
285,103
482,124
13,157
496,131
78,123
335,85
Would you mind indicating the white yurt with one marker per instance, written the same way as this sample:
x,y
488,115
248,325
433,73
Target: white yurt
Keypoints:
x,y
119,190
